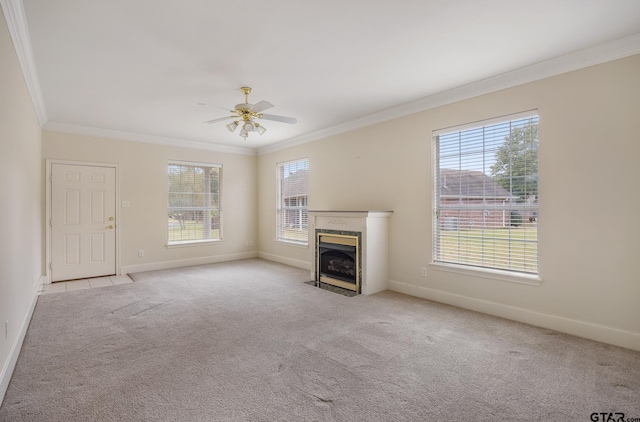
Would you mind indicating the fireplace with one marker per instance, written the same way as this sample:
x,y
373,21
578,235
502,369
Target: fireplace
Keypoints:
x,y
350,249
339,260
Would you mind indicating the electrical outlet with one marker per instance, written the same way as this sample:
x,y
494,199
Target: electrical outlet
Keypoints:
x,y
424,271
140,252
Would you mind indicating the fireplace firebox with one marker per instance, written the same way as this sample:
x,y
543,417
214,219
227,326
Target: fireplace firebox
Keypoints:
x,y
339,261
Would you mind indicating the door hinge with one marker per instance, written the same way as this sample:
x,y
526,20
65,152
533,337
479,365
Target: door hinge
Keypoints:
x,y
51,266
51,222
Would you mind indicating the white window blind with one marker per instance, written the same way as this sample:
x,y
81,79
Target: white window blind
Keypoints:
x,y
486,194
194,202
291,213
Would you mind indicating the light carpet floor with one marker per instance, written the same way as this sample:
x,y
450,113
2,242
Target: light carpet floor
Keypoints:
x,y
250,341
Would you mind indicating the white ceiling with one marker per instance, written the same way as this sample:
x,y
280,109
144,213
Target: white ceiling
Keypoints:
x,y
156,69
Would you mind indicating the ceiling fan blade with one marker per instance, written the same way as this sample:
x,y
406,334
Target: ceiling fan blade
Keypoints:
x,y
282,119
220,119
262,105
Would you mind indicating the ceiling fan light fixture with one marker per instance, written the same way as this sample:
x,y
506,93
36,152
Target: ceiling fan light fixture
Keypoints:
x,y
245,113
232,126
260,129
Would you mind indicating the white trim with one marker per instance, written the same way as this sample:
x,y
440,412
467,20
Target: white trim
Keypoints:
x,y
305,265
194,164
18,28
197,242
189,243
14,352
613,50
49,162
164,265
504,122
491,273
149,139
487,122
597,332
282,163
279,202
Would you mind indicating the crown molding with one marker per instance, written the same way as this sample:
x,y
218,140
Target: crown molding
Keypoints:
x,y
149,139
602,53
17,23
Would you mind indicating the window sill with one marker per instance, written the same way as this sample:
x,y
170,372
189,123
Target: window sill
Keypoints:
x,y
520,278
189,243
293,243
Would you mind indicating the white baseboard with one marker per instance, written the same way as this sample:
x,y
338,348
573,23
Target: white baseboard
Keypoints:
x,y
305,265
10,364
153,266
610,335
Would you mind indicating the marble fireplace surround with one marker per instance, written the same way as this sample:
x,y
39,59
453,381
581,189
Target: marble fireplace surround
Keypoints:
x,y
373,227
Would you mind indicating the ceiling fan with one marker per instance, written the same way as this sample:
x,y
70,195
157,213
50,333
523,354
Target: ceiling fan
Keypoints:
x,y
245,115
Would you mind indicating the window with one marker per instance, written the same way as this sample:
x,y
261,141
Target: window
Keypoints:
x,y
291,225
486,194
194,202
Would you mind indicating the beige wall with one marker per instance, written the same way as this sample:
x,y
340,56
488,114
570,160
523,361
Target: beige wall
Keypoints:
x,y
589,227
20,212
143,182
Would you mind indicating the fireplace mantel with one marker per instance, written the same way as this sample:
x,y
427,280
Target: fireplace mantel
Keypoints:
x,y
374,229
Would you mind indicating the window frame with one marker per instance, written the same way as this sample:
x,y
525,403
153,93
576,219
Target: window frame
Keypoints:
x,y
280,203
196,242
466,268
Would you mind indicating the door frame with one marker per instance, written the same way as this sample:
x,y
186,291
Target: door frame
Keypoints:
x,y
48,198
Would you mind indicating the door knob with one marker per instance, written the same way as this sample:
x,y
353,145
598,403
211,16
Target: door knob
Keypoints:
x,y
110,218
110,227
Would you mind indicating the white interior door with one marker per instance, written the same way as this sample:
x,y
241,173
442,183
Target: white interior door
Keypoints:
x,y
83,235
